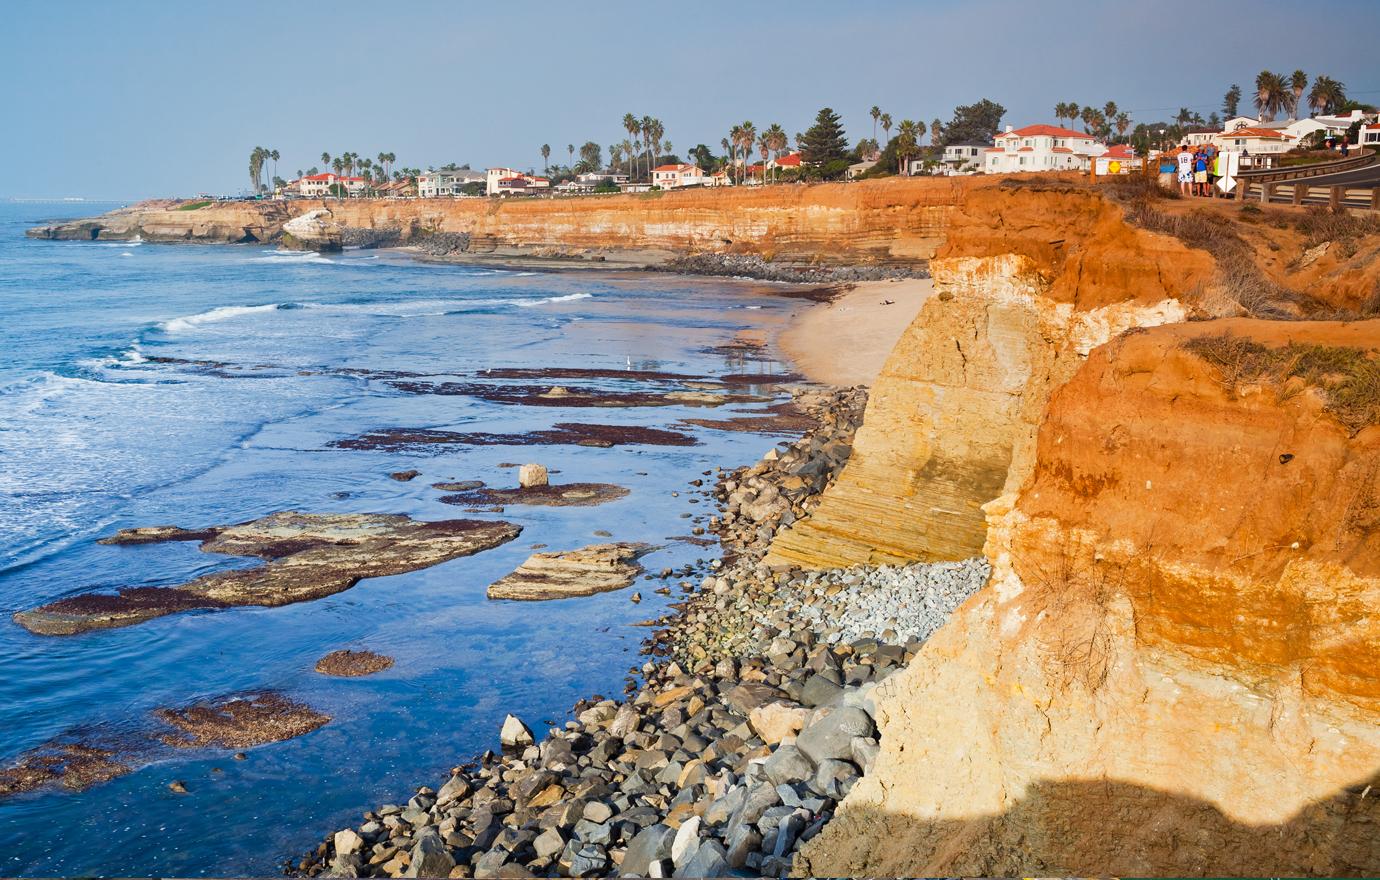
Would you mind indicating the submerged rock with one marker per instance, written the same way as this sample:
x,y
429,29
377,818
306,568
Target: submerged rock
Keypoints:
x,y
541,495
240,722
597,568
73,765
309,556
352,664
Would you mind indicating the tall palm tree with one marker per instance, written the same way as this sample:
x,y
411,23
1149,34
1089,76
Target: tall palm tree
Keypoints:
x,y
1059,110
735,137
325,160
570,150
339,165
1109,110
937,131
1269,94
886,126
632,127
728,152
775,140
1327,96
1183,117
545,155
1123,122
644,125
629,151
1074,111
876,113
747,135
658,131
274,156
1298,83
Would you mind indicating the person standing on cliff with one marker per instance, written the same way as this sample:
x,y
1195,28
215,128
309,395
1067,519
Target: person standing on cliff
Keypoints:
x,y
1185,170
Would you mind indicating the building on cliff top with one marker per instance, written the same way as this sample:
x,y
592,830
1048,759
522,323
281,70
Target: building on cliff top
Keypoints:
x,y
1041,148
446,182
507,182
317,185
677,176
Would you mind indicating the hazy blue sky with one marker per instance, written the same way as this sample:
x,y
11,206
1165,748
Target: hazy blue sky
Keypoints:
x,y
131,99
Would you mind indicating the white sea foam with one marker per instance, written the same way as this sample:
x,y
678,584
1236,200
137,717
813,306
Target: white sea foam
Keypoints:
x,y
223,313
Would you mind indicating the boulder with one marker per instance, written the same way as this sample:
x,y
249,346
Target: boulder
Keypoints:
x,y
787,765
514,734
347,842
430,858
774,722
686,841
532,475
832,735
651,844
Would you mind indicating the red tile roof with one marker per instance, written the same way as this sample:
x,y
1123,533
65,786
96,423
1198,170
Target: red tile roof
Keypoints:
x,y
1257,133
1120,151
329,176
1046,130
791,161
680,167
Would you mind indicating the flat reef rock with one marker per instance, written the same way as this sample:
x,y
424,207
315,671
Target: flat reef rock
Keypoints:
x,y
597,568
352,664
308,556
567,495
240,722
73,765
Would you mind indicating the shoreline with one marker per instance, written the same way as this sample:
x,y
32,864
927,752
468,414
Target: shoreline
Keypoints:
x,y
847,340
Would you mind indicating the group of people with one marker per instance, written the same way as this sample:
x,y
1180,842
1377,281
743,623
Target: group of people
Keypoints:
x,y
1195,170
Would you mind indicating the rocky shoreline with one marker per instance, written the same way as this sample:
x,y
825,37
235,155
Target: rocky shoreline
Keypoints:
x,y
751,718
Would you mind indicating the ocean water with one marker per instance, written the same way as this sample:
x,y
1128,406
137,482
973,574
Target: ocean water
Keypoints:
x,y
145,384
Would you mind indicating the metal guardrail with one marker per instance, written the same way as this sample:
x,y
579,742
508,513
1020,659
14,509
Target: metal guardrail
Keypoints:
x,y
1364,159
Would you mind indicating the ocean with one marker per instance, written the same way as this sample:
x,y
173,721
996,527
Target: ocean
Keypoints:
x,y
145,384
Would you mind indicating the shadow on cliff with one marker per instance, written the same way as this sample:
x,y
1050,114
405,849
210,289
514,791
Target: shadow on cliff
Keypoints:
x,y
1101,827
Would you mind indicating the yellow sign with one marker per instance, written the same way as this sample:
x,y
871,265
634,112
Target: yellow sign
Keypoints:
x,y
1114,167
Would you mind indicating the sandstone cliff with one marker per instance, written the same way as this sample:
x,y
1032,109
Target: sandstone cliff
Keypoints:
x,y
1174,669
898,220
1027,283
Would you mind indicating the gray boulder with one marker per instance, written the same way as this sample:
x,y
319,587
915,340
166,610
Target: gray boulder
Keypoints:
x,y
651,844
832,735
430,858
788,765
710,860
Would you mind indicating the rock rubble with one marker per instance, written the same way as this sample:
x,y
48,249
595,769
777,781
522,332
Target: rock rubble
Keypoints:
x,y
747,723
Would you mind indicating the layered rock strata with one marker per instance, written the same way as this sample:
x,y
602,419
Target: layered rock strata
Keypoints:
x,y
1174,668
1028,282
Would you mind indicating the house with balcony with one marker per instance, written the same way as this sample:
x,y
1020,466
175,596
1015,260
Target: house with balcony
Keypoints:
x,y
1256,141
677,176
1041,148
321,185
448,182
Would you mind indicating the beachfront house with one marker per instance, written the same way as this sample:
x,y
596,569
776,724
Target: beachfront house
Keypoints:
x,y
320,185
598,177
962,158
1256,141
446,182
719,178
507,182
1041,148
677,176
1370,135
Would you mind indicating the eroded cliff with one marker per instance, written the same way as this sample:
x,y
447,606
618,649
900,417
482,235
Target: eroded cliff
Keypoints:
x,y
1027,283
897,220
1173,670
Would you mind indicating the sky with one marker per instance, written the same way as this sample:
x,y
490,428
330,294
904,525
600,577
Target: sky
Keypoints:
x,y
145,98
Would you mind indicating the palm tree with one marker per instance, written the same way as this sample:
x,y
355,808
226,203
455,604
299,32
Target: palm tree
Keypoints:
x,y
1298,82
1109,110
886,126
1183,117
545,155
570,150
628,149
1059,110
876,113
1123,122
775,140
1327,96
631,126
907,144
937,131
1087,116
1269,94
339,165
644,125
274,156
657,132
1074,112
747,137
325,160
728,152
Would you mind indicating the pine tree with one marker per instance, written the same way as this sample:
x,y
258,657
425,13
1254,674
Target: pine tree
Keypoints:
x,y
825,141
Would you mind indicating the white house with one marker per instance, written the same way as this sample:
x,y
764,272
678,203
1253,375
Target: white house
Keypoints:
x,y
1370,135
964,158
1257,141
1041,148
321,184
446,182
676,176
493,175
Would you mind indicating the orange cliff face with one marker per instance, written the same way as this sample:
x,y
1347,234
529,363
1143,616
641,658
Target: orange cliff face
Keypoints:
x,y
894,220
1176,666
1028,281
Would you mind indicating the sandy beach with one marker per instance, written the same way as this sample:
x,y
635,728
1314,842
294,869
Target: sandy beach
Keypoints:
x,y
846,341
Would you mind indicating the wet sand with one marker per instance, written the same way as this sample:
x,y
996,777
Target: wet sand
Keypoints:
x,y
846,341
